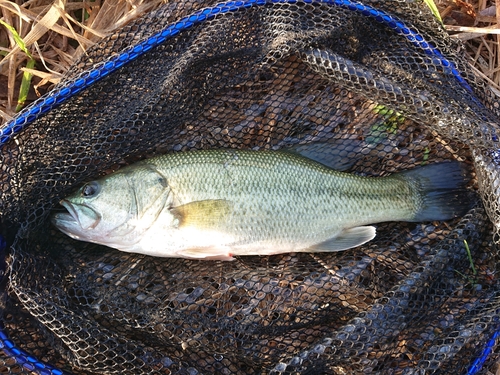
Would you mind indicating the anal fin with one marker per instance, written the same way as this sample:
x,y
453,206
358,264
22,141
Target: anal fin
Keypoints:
x,y
347,239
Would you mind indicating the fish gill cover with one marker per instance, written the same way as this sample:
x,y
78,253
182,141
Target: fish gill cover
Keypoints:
x,y
380,82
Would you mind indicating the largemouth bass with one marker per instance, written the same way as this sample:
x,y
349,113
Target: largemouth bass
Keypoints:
x,y
215,204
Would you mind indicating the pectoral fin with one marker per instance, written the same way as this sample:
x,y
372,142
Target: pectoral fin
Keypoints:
x,y
347,239
207,214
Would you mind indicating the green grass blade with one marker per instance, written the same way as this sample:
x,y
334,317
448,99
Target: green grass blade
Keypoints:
x,y
17,38
25,85
434,9
474,271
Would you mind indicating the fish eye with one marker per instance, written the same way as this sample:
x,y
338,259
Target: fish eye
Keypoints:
x,y
91,189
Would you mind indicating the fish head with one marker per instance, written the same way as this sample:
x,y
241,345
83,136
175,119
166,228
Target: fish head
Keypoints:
x,y
115,210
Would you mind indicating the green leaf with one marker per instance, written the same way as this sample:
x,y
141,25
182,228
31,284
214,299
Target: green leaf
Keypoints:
x,y
389,124
17,38
434,9
25,85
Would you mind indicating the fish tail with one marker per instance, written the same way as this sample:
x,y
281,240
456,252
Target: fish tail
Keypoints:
x,y
440,191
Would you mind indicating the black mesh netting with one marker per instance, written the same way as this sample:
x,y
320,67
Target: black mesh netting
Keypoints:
x,y
381,82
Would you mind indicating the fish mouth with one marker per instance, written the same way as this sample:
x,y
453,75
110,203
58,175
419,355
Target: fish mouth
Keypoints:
x,y
76,220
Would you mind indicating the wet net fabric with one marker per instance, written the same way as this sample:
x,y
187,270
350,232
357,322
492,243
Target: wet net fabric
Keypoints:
x,y
379,82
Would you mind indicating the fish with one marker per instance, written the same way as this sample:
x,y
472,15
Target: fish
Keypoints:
x,y
220,203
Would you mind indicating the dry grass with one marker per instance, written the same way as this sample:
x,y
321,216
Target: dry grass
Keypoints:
x,y
56,33
477,23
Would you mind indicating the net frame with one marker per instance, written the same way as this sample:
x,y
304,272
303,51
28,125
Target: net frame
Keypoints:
x,y
325,64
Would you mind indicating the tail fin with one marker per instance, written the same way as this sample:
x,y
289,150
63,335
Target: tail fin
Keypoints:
x,y
440,189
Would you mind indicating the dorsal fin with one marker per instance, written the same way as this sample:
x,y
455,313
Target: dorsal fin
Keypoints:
x,y
338,155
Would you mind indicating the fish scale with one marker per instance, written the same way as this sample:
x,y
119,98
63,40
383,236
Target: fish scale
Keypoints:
x,y
215,204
